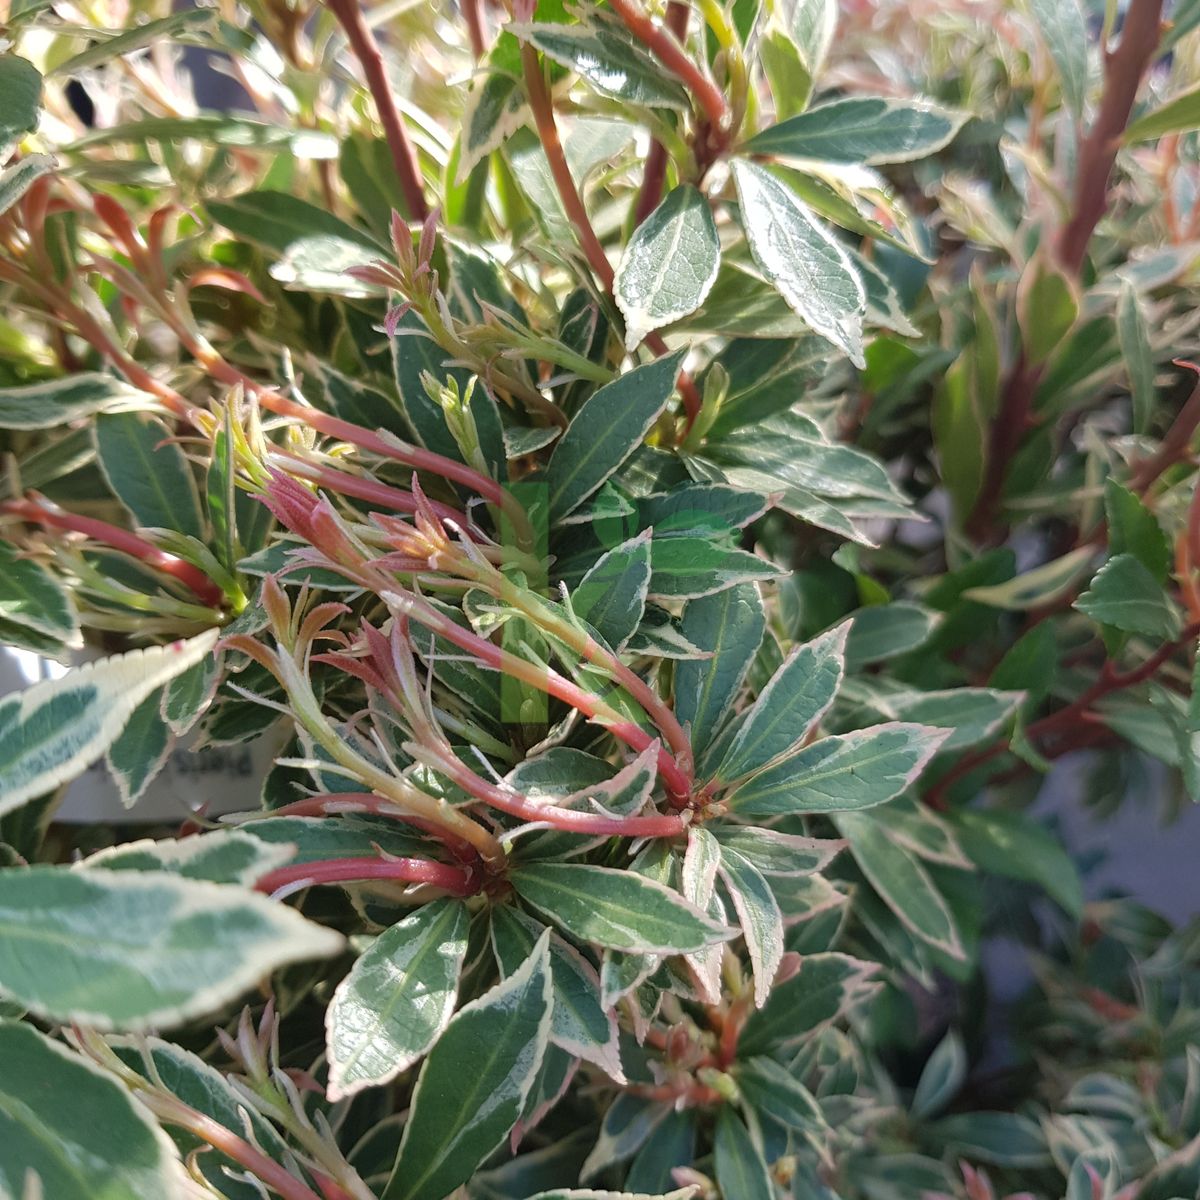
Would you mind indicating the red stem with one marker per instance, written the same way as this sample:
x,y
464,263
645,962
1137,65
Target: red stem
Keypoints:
x,y
366,50
1175,444
1111,680
571,820
656,161
474,18
1124,69
662,44
190,576
367,802
543,114
455,880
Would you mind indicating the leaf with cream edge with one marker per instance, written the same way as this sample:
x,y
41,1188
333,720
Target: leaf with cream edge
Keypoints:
x,y
123,950
869,130
140,750
32,597
580,1025
611,597
806,263
687,1193
74,1130
55,402
741,1169
902,881
699,876
474,1083
759,916
397,998
841,773
669,266
607,429
790,706
223,856
825,987
620,910
20,98
17,179
53,730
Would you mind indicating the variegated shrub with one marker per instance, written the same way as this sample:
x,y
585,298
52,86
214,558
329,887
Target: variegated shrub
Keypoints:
x,y
660,483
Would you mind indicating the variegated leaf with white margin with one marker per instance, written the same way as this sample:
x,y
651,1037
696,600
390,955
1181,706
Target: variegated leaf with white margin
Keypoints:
x,y
789,707
902,882
867,130
53,730
698,884
223,856
71,1131
125,950
669,266
474,1084
397,998
842,773
759,916
579,1024
140,750
805,262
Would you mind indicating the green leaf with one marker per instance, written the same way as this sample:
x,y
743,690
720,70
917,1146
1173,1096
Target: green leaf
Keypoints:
x,y
611,597
901,881
1014,845
140,750
841,773
397,998
579,1025
1064,31
1124,595
17,179
59,401
203,1088
163,30
609,426
128,950
20,98
772,1089
728,626
793,49
311,839
1133,529
601,52
628,1122
669,265
825,987
278,220
687,568
739,1164
1000,1139
53,730
789,707
617,909
942,1078
691,508
671,1144
775,853
189,694
687,1193
74,1129
971,714
148,473
865,130
223,856
474,1083
1178,114
30,596
759,916
801,258
1047,308
1134,336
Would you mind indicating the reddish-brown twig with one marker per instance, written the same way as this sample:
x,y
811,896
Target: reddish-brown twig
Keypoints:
x,y
455,880
207,592
656,161
366,49
1124,69
1110,680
